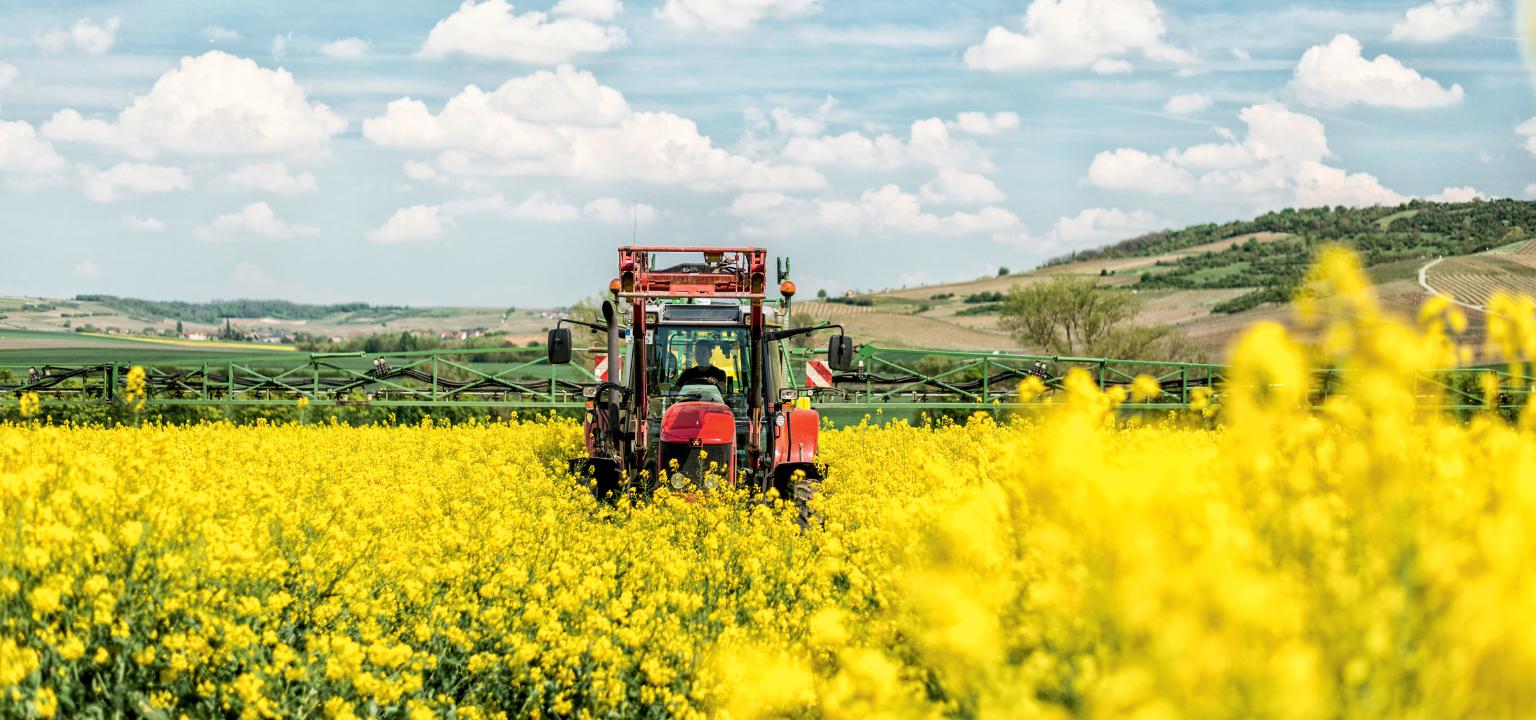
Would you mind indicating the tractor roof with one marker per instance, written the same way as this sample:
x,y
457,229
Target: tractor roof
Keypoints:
x,y
718,272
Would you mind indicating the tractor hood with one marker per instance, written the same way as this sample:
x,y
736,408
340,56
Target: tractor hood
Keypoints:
x,y
710,423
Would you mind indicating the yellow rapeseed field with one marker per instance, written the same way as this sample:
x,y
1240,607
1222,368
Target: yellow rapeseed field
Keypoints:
x,y
1359,559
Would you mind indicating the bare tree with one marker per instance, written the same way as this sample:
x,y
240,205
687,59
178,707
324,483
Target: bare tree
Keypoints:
x,y
1074,316
588,309
1065,315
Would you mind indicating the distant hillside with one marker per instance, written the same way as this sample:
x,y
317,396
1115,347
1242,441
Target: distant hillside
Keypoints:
x,y
1272,270
270,321
1214,280
218,310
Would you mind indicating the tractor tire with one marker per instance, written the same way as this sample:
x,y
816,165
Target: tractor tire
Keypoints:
x,y
602,476
798,484
804,491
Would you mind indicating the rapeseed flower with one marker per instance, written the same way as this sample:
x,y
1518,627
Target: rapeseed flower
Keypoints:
x,y
1269,554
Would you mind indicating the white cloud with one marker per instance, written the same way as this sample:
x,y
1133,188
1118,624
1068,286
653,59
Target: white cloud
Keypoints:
x,y
350,48
87,270
417,223
1441,20
1527,130
928,142
1278,162
961,188
1090,228
215,34
874,213
272,177
731,15
1187,104
785,122
134,178
85,35
1096,226
549,207
256,220
544,208
492,30
1336,75
892,36
1061,34
1131,169
788,123
475,205
250,277
1463,193
1112,66
419,170
564,123
599,10
1241,54
618,212
23,152
8,74
765,133
980,123
1530,190
214,104
250,280
69,126
280,45
146,224
1318,184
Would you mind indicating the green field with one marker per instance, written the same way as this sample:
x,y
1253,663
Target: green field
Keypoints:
x,y
1385,222
33,347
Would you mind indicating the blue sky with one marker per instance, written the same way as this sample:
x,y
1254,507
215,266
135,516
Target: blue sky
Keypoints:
x,y
494,153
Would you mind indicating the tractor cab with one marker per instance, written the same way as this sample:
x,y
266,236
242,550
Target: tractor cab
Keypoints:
x,y
700,385
690,356
702,397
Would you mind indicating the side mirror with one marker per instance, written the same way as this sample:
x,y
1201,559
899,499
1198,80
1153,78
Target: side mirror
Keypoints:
x,y
560,346
840,353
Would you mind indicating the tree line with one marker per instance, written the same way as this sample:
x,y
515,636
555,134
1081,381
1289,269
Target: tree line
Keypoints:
x,y
218,310
1415,231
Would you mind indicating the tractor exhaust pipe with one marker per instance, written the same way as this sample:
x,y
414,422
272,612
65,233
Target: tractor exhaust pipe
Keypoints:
x,y
611,318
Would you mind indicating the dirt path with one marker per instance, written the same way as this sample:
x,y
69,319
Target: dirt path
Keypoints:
x,y
1424,283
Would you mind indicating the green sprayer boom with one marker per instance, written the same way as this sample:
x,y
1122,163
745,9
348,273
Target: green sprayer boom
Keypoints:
x,y
896,382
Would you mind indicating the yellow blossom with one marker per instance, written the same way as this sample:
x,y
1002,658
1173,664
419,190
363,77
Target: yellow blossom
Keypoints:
x,y
1145,387
1324,546
45,703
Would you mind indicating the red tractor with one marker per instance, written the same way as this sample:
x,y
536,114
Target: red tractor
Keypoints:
x,y
698,392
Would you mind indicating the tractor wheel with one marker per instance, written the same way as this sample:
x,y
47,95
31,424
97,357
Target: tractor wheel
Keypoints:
x,y
805,490
798,484
602,475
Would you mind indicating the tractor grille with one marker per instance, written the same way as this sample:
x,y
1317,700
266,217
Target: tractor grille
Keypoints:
x,y
697,468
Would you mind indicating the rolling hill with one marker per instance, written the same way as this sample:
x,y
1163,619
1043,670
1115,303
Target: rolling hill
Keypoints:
x,y
268,321
1212,281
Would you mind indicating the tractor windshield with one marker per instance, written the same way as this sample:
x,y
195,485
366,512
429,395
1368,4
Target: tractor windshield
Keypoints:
x,y
695,355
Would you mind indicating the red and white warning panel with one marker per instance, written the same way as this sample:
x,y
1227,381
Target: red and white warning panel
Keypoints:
x,y
600,367
818,374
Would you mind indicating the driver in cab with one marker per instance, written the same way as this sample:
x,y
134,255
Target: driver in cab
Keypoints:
x,y
704,370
